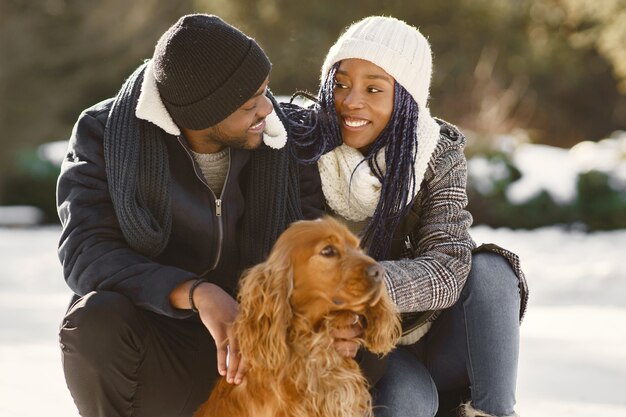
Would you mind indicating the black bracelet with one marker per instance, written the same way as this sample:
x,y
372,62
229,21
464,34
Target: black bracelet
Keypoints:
x,y
191,290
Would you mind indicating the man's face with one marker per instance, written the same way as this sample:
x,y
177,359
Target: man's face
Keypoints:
x,y
242,129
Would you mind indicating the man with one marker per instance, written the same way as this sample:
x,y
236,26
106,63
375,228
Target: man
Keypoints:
x,y
166,194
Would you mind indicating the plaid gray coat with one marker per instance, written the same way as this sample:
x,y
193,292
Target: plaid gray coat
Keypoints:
x,y
430,257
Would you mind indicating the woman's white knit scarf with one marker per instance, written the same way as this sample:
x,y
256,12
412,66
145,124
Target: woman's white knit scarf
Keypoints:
x,y
350,187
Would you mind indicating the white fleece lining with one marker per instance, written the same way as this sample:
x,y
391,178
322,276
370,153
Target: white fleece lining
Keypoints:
x,y
150,107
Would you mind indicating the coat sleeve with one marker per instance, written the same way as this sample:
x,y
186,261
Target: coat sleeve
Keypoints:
x,y
441,243
92,249
311,194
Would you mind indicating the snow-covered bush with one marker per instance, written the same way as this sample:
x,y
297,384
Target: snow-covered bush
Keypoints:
x,y
521,185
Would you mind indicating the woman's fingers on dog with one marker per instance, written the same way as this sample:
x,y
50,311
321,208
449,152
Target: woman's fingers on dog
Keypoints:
x,y
349,332
346,339
347,348
346,319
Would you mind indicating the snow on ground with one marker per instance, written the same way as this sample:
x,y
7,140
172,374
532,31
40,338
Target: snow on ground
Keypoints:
x,y
14,216
572,364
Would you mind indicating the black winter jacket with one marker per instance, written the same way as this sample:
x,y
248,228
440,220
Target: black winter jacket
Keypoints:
x,y
93,251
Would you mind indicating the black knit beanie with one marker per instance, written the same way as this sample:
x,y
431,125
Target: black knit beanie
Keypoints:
x,y
205,69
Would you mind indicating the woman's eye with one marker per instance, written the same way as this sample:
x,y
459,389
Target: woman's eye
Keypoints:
x,y
339,85
328,251
374,90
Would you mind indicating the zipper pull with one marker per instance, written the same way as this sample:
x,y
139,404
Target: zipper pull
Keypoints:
x,y
218,207
407,243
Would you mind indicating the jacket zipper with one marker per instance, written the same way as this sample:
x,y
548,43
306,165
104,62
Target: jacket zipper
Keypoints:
x,y
408,244
218,205
220,227
218,214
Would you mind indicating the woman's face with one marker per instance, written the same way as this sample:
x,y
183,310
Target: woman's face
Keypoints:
x,y
363,101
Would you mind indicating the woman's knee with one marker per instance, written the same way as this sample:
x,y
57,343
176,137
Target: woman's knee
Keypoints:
x,y
492,278
406,389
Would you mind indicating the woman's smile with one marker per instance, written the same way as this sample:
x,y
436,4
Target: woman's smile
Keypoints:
x,y
354,122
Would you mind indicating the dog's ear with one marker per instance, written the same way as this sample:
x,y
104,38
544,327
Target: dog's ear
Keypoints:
x,y
383,326
265,313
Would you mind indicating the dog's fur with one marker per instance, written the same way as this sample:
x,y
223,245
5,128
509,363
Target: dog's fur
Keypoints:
x,y
316,279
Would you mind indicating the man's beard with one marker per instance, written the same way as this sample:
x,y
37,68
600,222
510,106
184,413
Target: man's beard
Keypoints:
x,y
240,142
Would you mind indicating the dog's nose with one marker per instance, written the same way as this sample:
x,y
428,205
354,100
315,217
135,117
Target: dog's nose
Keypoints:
x,y
375,272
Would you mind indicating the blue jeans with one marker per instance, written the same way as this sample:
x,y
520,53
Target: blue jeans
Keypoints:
x,y
474,345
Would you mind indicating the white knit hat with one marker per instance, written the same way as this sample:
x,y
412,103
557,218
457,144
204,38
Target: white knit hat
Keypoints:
x,y
395,46
404,53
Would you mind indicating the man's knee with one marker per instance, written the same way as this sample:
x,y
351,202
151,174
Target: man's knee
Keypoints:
x,y
97,322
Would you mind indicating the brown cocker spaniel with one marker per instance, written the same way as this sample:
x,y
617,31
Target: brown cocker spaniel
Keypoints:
x,y
315,279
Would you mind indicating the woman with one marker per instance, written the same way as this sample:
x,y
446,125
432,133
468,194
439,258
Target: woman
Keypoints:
x,y
397,177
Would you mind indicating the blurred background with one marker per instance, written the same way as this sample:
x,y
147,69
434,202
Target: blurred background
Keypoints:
x,y
538,86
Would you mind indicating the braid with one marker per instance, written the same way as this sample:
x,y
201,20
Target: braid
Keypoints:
x,y
399,141
316,128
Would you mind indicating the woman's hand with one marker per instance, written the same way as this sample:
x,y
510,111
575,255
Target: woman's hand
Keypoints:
x,y
346,333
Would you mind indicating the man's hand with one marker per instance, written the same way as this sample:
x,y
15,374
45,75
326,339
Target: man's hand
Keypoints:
x,y
346,333
217,310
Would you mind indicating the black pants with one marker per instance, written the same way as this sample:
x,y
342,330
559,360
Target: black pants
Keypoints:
x,y
121,360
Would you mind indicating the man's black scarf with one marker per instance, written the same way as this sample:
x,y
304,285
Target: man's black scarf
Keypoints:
x,y
139,182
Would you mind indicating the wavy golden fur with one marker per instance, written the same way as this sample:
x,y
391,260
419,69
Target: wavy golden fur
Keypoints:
x,y
315,279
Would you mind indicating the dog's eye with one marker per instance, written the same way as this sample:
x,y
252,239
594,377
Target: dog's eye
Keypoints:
x,y
328,251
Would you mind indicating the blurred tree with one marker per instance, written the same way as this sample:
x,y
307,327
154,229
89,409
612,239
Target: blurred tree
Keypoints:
x,y
499,64
572,71
60,56
600,24
296,34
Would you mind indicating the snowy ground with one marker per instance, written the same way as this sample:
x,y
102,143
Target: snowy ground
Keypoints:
x,y
573,355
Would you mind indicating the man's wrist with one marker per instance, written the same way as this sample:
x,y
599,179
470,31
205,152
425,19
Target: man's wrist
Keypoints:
x,y
192,289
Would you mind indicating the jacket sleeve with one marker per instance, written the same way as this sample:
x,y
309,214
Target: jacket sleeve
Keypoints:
x,y
92,249
434,277
311,195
